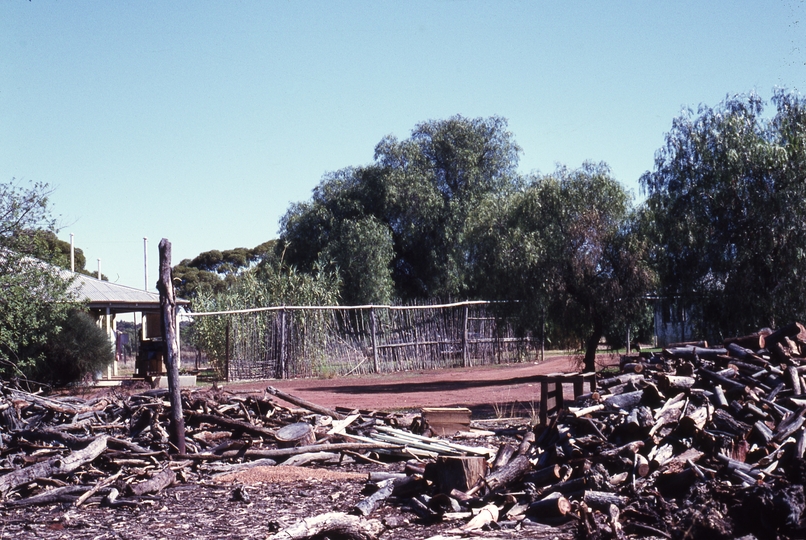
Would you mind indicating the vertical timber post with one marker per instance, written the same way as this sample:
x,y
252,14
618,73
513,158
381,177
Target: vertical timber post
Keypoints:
x,y
374,328
171,349
226,353
543,337
465,361
283,362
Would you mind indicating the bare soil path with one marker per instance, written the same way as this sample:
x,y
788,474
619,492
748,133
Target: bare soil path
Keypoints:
x,y
486,390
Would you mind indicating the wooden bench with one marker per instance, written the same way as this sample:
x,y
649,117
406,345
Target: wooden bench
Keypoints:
x,y
551,388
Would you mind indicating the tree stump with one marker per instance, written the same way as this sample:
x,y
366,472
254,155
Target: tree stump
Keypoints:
x,y
460,473
298,434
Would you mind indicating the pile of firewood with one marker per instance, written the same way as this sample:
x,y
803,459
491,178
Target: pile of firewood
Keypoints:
x,y
695,441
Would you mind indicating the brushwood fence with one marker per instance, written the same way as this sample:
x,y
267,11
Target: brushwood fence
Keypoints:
x,y
323,341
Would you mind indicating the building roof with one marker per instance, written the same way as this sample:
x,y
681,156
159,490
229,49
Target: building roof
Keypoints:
x,y
118,298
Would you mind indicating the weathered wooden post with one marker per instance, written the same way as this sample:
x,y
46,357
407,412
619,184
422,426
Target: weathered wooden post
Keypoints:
x,y
465,361
373,327
171,349
283,362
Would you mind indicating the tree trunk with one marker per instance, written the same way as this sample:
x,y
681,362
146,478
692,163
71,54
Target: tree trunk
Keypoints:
x,y
592,344
171,340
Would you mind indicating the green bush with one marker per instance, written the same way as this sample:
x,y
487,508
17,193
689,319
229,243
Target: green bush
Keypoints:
x,y
73,354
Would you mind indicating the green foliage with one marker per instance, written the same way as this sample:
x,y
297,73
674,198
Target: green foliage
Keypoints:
x,y
75,353
35,297
216,270
421,193
727,208
268,284
565,247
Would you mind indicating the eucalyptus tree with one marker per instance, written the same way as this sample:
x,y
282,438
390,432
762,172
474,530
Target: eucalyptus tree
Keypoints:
x,y
565,245
421,192
728,200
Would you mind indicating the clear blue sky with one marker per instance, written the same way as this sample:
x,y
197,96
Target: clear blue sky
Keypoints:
x,y
202,121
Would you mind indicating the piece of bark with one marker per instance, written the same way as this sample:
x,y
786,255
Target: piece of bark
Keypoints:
x,y
305,404
53,466
334,525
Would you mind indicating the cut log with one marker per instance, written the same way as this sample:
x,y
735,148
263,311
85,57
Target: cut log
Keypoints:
x,y
624,401
231,424
674,383
548,475
509,474
552,506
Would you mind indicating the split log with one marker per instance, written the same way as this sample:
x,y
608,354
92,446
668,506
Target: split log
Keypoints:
x,y
298,401
332,524
486,515
504,454
53,466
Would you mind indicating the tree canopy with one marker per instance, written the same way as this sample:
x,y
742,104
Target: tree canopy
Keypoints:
x,y
419,193
565,248
35,298
728,202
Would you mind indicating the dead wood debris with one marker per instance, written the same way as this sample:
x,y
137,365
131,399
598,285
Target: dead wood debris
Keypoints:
x,y
693,442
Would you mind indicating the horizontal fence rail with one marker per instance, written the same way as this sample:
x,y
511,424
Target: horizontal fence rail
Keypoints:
x,y
325,341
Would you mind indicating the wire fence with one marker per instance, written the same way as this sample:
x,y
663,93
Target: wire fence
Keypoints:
x,y
325,341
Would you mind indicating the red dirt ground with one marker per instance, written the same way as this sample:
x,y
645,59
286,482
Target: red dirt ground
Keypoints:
x,y
487,390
